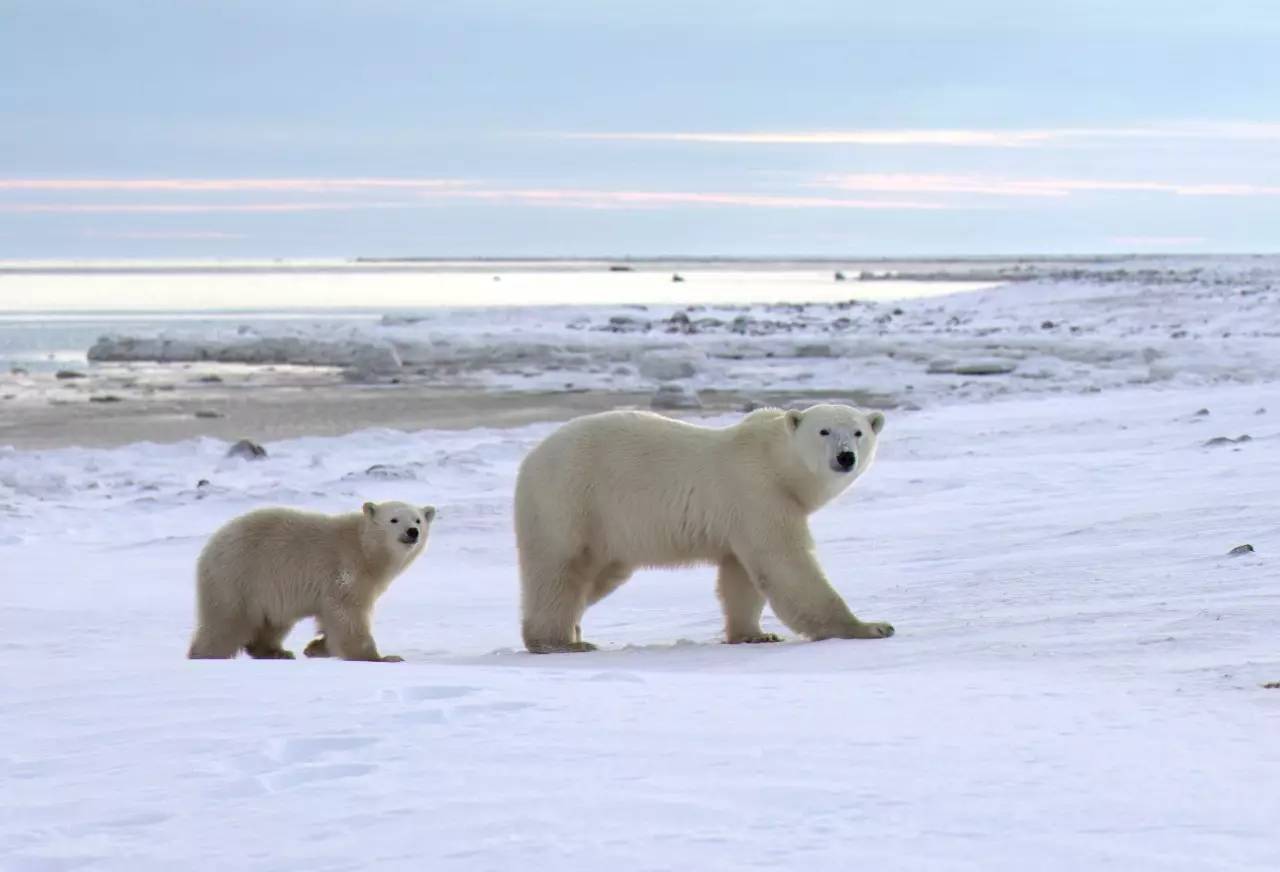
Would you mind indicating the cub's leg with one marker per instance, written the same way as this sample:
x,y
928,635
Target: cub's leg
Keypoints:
x,y
268,642
786,570
218,640
742,602
348,635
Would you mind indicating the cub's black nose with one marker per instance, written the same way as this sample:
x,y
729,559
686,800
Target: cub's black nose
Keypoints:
x,y
846,459
412,533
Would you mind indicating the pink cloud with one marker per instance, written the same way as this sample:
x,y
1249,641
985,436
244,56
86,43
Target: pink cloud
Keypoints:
x,y
184,208
958,137
597,199
1158,241
932,183
194,235
309,186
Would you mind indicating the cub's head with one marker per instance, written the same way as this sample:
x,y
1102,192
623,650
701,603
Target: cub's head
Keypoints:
x,y
835,443
399,525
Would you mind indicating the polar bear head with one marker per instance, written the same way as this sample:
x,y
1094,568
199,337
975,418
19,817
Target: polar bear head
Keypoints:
x,y
835,443
398,528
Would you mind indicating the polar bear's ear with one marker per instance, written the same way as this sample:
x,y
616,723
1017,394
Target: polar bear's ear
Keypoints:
x,y
793,418
370,509
428,513
877,421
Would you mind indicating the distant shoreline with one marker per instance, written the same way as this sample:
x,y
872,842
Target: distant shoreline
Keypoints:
x,y
939,268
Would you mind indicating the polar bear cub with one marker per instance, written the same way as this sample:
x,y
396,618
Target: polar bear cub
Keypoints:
x,y
263,572
607,493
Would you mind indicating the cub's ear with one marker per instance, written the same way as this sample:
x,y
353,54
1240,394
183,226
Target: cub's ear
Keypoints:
x,y
793,418
370,509
428,513
877,421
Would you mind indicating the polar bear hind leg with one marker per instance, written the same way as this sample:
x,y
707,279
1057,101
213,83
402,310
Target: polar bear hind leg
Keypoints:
x,y
554,594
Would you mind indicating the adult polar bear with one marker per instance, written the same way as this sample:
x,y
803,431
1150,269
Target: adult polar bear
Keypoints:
x,y
607,493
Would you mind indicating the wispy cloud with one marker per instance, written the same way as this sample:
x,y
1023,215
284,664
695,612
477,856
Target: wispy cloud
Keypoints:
x,y
279,185
1158,241
605,199
185,208
193,235
418,194
955,137
935,183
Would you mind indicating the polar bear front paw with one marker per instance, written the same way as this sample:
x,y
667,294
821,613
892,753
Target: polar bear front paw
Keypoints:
x,y
872,630
391,658
754,638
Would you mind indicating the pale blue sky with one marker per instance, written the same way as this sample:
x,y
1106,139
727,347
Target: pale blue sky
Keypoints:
x,y
568,127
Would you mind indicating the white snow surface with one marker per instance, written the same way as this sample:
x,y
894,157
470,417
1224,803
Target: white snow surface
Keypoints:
x,y
1075,682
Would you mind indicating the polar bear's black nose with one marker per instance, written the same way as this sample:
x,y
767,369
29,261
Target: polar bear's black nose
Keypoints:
x,y
412,533
846,459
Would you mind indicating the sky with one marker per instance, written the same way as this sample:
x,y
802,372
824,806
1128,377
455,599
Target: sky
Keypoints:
x,y
248,129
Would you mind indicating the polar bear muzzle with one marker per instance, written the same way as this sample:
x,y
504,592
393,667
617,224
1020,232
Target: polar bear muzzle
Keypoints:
x,y
845,461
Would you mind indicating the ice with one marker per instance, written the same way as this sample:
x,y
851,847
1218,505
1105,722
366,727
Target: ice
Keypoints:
x,y
1056,328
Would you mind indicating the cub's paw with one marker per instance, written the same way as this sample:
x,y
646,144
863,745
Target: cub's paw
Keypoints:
x,y
391,658
317,647
754,638
874,630
258,652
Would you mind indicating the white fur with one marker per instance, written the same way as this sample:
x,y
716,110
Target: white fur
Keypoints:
x,y
263,572
608,493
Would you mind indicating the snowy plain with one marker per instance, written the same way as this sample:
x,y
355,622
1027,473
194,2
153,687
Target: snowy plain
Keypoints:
x,y
1076,680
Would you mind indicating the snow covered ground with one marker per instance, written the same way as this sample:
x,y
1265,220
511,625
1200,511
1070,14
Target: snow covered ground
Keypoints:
x,y
1075,682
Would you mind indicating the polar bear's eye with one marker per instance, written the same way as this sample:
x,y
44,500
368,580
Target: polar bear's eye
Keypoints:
x,y
395,520
857,434
824,432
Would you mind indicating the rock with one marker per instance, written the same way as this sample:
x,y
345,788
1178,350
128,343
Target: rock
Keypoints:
x,y
208,413
839,276
1240,549
210,379
1200,413
1260,411
621,268
752,405
665,367
627,324
376,360
817,349
971,367
672,396
248,449
18,370
390,472
676,277
68,373
204,482
106,398
679,323
1047,325
1227,440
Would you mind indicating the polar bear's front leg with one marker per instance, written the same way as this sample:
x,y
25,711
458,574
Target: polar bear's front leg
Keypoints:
x,y
742,602
800,594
